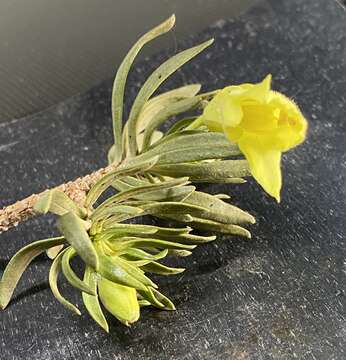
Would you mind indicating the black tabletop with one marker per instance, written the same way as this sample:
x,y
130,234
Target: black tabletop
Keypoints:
x,y
280,295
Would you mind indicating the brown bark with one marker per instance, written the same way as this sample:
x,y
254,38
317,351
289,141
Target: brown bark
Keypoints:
x,y
12,215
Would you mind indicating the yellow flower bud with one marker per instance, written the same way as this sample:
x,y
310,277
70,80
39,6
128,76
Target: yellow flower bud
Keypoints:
x,y
263,122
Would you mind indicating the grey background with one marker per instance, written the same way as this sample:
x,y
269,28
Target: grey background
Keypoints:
x,y
52,49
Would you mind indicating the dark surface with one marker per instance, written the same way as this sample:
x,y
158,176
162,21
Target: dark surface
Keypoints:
x,y
51,50
279,296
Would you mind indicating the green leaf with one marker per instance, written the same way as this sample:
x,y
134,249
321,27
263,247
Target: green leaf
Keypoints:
x,y
18,264
74,231
168,304
173,193
152,83
53,252
115,272
180,125
115,209
206,171
143,255
71,276
149,296
157,268
132,193
121,301
159,102
181,253
129,242
58,203
210,225
106,181
120,81
190,146
171,110
53,283
218,210
144,229
91,302
189,239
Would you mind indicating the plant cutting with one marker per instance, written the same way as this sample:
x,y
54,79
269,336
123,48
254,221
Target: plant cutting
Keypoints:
x,y
220,137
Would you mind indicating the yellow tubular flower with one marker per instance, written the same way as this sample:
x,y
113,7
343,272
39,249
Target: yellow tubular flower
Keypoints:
x,y
263,122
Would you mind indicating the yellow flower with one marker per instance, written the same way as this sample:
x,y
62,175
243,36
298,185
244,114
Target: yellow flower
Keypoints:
x,y
263,122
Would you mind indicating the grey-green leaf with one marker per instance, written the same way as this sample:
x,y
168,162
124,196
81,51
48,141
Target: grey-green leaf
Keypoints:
x,y
107,180
74,231
120,81
206,171
58,203
71,276
157,268
18,264
53,283
152,83
91,302
171,110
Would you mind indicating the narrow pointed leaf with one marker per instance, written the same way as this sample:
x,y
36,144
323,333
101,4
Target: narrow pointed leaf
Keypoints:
x,y
143,255
18,264
168,304
218,210
152,83
53,283
74,231
169,111
206,171
91,302
209,225
71,276
190,146
53,252
120,81
128,242
58,203
157,268
106,181
132,193
148,295
159,102
169,194
180,125
116,273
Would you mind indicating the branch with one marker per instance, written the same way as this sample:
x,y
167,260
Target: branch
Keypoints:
x,y
22,210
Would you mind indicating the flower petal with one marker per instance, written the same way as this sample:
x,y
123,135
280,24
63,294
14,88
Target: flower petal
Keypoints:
x,y
264,162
